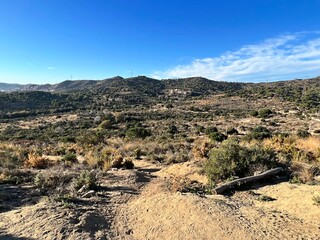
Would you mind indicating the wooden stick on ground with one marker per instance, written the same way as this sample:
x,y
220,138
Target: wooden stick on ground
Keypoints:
x,y
240,181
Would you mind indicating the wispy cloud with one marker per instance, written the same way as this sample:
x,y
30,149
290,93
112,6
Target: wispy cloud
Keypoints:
x,y
285,57
51,68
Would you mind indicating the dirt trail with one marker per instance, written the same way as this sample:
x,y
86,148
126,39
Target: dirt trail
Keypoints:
x,y
136,204
160,214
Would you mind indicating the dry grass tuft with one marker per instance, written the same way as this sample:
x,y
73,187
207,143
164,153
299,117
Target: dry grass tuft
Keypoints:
x,y
36,161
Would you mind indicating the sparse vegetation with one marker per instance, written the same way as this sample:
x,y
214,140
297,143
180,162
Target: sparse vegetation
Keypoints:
x,y
80,149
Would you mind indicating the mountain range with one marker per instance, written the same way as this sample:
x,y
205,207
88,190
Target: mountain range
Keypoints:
x,y
117,91
140,82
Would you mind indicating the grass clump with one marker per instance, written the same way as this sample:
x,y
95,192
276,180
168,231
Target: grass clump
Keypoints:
x,y
316,200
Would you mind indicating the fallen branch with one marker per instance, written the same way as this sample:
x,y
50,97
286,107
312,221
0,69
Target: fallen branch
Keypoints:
x,y
241,181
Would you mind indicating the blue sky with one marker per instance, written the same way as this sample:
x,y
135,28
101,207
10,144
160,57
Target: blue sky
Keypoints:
x,y
48,41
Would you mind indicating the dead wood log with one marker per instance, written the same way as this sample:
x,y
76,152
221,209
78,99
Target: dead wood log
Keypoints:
x,y
270,173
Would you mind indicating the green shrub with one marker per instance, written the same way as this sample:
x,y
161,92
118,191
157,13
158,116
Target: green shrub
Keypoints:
x,y
47,182
70,157
258,133
217,136
265,113
106,124
231,159
200,129
87,179
254,113
232,131
138,153
68,139
137,132
172,129
303,133
211,130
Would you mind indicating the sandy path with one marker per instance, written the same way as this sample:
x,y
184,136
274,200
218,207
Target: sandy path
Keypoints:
x,y
160,214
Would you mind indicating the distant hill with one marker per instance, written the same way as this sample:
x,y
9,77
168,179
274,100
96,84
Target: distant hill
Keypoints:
x,y
112,92
306,93
199,85
118,92
139,84
8,87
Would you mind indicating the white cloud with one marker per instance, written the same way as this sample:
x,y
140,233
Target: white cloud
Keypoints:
x,y
285,57
51,68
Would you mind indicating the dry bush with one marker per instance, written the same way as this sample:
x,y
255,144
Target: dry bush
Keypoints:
x,y
11,156
105,158
292,149
55,181
115,142
310,144
303,173
178,157
184,184
92,159
279,143
15,176
36,161
201,147
177,184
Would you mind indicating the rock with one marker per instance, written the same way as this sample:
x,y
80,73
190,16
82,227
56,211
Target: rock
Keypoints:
x,y
89,194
